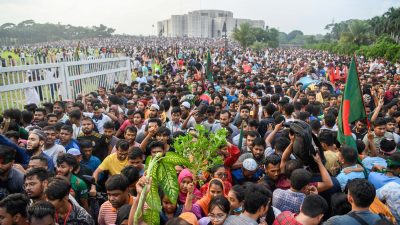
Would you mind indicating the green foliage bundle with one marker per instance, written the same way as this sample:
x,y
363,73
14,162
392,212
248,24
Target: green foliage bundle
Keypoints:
x,y
202,150
161,170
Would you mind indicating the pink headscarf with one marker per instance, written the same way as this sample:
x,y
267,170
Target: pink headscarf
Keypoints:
x,y
182,196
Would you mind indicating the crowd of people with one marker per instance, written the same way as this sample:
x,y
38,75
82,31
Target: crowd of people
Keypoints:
x,y
86,49
82,161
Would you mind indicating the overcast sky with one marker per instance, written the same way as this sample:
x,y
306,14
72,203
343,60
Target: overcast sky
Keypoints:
x,y
137,17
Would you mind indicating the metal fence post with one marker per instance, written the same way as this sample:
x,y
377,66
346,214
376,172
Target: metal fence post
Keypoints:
x,y
129,77
66,80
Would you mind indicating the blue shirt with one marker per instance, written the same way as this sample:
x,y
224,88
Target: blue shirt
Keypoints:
x,y
92,163
72,144
369,162
379,180
344,178
238,178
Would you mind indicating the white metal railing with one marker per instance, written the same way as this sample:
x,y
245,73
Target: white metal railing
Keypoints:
x,y
40,83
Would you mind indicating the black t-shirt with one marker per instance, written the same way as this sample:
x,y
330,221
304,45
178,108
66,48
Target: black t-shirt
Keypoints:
x,y
100,145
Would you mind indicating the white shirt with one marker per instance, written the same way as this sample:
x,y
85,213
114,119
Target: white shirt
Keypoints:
x,y
54,152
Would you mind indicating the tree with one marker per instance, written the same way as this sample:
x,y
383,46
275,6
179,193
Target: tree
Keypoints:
x,y
243,35
358,32
247,36
292,35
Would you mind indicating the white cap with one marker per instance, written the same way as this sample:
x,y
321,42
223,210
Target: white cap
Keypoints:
x,y
250,164
186,105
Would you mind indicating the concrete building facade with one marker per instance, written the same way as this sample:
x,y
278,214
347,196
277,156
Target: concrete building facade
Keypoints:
x,y
202,23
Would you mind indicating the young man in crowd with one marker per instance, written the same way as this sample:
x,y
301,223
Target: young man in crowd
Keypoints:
x,y
312,210
50,147
118,195
360,195
66,164
42,212
36,181
57,193
36,141
13,210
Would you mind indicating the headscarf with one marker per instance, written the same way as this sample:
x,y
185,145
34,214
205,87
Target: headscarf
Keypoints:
x,y
182,196
204,202
190,218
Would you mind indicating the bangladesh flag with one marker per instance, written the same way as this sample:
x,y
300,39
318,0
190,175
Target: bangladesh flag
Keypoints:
x,y
208,68
352,108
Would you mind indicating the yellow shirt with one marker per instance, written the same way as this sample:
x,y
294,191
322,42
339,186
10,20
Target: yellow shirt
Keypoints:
x,y
112,164
332,162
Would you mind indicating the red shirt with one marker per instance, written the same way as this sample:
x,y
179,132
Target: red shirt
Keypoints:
x,y
286,218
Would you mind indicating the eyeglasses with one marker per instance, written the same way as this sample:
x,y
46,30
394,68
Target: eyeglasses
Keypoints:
x,y
218,217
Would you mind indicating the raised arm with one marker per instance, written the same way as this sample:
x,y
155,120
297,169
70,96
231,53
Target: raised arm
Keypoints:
x,y
326,178
286,154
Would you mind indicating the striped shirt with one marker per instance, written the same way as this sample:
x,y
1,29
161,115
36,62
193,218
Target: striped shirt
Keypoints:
x,y
108,214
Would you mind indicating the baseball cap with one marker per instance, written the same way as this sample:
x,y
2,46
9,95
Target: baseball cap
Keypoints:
x,y
74,151
250,164
186,105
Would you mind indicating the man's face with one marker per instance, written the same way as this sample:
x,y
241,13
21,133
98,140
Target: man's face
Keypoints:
x,y
224,119
34,142
64,169
57,109
249,140
65,136
51,137
138,163
69,107
153,112
5,217
244,113
101,92
108,133
184,110
247,173
390,126
87,152
162,137
380,130
360,125
137,119
5,166
176,117
273,171
311,98
36,163
38,116
130,136
97,113
153,125
117,198
258,151
131,119
122,154
52,120
156,150
34,188
87,126
46,220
